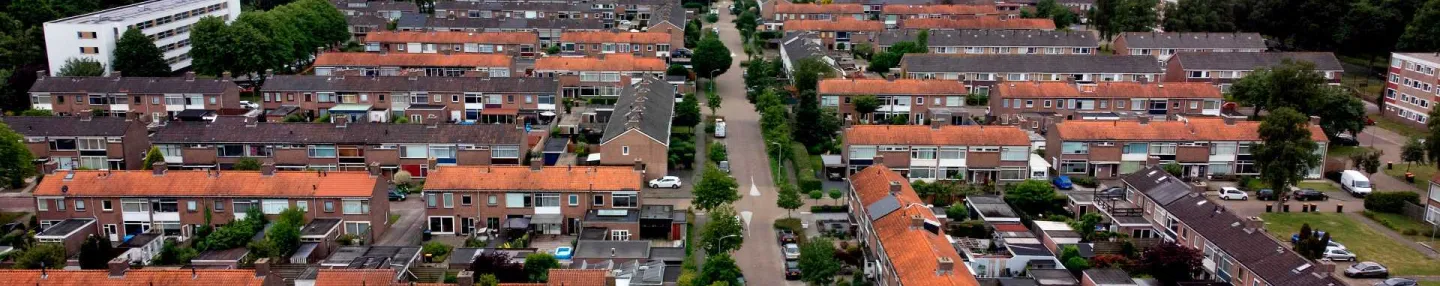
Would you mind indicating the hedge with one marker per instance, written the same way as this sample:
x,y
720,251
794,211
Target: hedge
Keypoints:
x,y
804,169
829,209
793,224
1390,202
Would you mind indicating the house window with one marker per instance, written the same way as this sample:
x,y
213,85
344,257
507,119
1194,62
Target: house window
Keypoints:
x,y
357,206
625,200
105,205
449,200
1014,154
491,200
80,205
322,151
547,200
329,206
599,200
620,234
465,200
270,207
1075,148
191,206
625,150
574,200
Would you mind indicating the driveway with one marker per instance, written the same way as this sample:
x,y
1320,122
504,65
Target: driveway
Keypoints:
x,y
406,231
759,257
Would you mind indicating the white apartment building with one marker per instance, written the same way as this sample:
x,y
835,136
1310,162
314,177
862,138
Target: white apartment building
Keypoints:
x,y
167,22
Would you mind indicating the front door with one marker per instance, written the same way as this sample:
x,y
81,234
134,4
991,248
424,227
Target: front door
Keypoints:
x,y
111,232
467,225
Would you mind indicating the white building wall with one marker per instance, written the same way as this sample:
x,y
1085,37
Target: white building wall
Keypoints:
x,y
63,40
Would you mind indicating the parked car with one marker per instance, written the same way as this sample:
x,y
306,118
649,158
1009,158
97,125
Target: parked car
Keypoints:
x,y
1398,282
1344,139
1231,193
785,236
1336,254
397,195
1355,183
1063,182
725,166
672,182
248,105
791,251
1113,192
1266,195
1309,195
1295,237
1334,244
1367,269
792,270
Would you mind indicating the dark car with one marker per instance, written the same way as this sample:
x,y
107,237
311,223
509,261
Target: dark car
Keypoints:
x,y
1266,195
1344,139
397,195
1397,282
1309,195
792,270
785,236
1367,269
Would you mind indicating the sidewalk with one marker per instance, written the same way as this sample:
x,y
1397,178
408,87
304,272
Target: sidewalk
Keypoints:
x,y
1394,235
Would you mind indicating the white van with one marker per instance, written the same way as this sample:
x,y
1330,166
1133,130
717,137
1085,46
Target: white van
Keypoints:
x,y
1355,183
719,128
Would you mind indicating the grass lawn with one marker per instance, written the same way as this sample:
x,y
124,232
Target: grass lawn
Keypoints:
x,y
1401,223
1423,173
1323,186
1368,243
1397,127
1343,152
1369,87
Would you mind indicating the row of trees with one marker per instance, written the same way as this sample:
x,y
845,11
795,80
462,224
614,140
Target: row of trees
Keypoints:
x,y
1359,27
285,38
22,42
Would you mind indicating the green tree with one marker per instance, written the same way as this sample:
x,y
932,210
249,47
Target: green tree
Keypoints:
x,y
1368,161
1338,111
489,280
1070,257
692,33
95,253
884,61
151,157
46,255
16,162
718,152
818,264
681,152
1432,141
816,195
713,100
807,121
789,199
136,55
1173,168
1200,16
724,232
808,73
1061,15
1111,17
865,105
711,57
247,164
283,238
957,212
1031,196
172,253
1287,153
1170,262
1301,24
719,268
835,194
36,112
210,45
538,266
715,188
1372,27
82,67
1085,226
1293,84
1412,152
674,69
687,112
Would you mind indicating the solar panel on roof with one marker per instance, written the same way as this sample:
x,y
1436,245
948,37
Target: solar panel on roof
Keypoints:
x,y
883,207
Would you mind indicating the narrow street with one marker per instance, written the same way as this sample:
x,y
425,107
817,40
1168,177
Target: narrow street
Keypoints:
x,y
759,258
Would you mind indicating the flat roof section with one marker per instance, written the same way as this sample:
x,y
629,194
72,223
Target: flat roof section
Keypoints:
x,y
65,228
319,227
123,13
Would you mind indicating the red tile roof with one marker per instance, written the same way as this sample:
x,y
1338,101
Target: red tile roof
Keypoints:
x,y
1192,129
991,23
344,59
939,9
435,37
149,277
177,183
502,178
354,277
967,135
837,25
789,8
615,37
913,252
577,277
898,87
1057,89
608,62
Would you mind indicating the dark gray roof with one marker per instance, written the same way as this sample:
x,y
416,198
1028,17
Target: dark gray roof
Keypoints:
x,y
606,249
226,255
66,125
231,130
1263,255
1109,276
1153,40
1029,249
646,106
657,211
366,20
513,6
670,11
363,5
464,255
139,240
882,207
667,253
1159,185
629,216
406,84
319,226
515,23
1031,63
1324,61
130,85
412,21
66,227
995,38
800,45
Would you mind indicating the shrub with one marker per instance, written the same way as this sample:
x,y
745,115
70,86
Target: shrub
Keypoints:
x,y
970,228
1410,231
436,250
1390,202
1088,182
829,209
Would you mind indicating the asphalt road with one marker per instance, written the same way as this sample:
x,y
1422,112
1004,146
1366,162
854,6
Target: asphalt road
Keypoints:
x,y
406,231
759,257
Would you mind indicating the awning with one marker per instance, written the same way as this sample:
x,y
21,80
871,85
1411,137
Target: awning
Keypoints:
x,y
500,111
350,108
593,157
517,223
547,215
547,113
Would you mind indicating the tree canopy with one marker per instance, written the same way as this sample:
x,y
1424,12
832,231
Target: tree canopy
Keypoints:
x,y
687,111
1170,262
818,264
538,266
1031,196
284,38
95,253
82,67
16,162
1423,33
715,188
1061,15
137,55
724,232
1200,16
1112,17
890,58
711,57
1287,153
719,268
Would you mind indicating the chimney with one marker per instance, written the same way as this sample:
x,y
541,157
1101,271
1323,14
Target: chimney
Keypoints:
x,y
262,267
118,266
374,169
432,163
225,76
158,168
610,278
41,74
50,166
1314,120
536,164
1254,222
252,122
190,76
944,265
269,72
895,188
917,222
1143,119
465,278
879,160
936,122
267,169
1229,120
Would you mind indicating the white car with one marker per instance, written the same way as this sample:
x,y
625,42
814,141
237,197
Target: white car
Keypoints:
x,y
672,182
248,105
792,251
1334,244
1337,254
1231,193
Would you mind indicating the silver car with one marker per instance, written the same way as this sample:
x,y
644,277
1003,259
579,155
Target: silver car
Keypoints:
x,y
1367,269
792,251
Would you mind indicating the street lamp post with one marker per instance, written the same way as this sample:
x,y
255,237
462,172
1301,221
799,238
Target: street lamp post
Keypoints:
x,y
716,244
778,147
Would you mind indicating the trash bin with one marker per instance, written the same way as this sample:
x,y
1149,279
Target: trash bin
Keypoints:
x,y
425,236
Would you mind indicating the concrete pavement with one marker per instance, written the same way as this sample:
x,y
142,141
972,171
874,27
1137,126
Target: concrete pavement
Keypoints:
x,y
406,231
759,257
